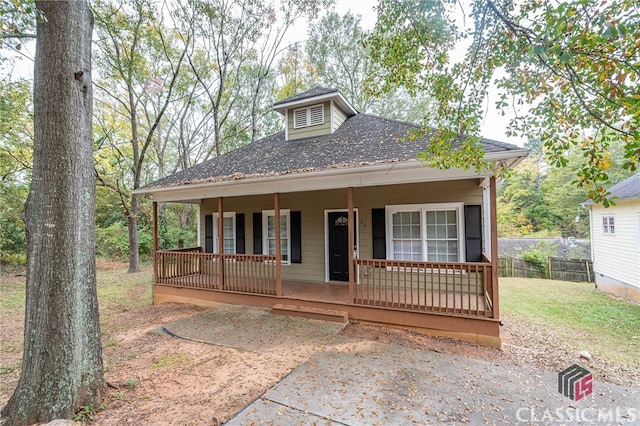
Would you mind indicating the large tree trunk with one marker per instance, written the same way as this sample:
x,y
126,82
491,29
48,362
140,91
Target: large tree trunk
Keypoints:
x,y
62,359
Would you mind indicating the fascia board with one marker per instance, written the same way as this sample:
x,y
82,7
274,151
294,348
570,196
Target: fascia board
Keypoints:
x,y
281,108
412,171
386,174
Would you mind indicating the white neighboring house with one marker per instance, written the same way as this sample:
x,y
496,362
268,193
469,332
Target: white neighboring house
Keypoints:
x,y
615,241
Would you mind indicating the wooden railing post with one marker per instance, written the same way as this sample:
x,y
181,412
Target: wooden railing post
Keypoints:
x,y
221,240
276,202
351,243
154,225
495,296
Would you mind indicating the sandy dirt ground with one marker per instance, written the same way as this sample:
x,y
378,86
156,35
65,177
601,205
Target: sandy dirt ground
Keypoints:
x,y
157,379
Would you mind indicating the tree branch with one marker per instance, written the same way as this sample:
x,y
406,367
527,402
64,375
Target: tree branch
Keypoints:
x,y
17,35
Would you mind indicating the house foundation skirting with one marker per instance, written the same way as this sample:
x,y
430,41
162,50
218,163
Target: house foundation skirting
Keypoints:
x,y
617,288
483,331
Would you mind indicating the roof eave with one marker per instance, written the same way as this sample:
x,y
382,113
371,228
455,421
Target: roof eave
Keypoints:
x,y
349,109
510,158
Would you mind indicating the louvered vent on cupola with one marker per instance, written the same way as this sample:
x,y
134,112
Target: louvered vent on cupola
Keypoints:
x,y
308,116
313,114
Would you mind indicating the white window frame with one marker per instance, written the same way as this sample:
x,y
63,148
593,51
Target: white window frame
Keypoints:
x,y
307,122
608,224
232,215
423,208
265,232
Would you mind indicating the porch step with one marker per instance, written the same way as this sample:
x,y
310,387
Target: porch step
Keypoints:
x,y
312,313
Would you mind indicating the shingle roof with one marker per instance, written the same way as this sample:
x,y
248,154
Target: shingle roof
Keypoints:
x,y
360,141
316,91
629,188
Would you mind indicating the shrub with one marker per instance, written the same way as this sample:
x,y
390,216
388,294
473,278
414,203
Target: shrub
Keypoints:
x,y
13,259
539,256
112,242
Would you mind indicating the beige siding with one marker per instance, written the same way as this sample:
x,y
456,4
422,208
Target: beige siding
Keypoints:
x,y
313,205
310,131
617,256
338,118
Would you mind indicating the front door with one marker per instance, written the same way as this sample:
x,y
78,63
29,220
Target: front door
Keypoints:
x,y
338,240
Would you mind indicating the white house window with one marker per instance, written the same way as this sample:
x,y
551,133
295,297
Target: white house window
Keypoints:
x,y
426,232
406,235
608,225
229,232
269,234
442,235
309,116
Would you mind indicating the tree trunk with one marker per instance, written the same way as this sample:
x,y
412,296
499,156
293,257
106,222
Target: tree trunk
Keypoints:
x,y
62,358
134,251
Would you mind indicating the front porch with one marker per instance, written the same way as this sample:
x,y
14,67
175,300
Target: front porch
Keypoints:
x,y
341,196
446,299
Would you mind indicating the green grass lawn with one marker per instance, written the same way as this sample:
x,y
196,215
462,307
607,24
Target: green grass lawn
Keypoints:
x,y
567,317
117,290
577,313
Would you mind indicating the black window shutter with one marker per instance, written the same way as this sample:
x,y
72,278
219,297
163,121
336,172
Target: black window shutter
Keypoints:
x,y
208,233
257,233
296,237
473,233
240,233
378,231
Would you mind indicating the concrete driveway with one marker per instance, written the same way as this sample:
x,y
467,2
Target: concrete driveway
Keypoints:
x,y
386,384
392,385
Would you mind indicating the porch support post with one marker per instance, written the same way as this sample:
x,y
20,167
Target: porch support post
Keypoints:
x,y
494,249
351,243
221,239
276,208
154,225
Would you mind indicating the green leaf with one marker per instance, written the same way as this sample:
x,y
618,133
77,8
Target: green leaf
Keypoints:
x,y
565,58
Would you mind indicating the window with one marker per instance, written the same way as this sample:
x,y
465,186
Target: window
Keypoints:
x,y
269,234
442,236
608,225
406,236
427,232
309,116
229,232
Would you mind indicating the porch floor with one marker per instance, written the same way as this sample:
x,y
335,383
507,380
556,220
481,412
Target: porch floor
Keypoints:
x,y
323,292
446,319
338,293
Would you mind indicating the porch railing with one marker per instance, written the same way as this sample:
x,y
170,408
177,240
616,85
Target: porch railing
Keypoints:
x,y
177,263
247,273
461,288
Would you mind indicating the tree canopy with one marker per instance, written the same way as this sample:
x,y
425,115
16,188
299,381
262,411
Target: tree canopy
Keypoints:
x,y
567,71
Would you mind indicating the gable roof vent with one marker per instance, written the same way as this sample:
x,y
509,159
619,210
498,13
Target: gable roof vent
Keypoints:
x,y
308,116
317,114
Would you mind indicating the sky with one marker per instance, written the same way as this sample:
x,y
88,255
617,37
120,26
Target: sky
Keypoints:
x,y
364,8
494,125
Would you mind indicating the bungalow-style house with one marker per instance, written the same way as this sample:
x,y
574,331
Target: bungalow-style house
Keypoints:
x,y
335,218
615,240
